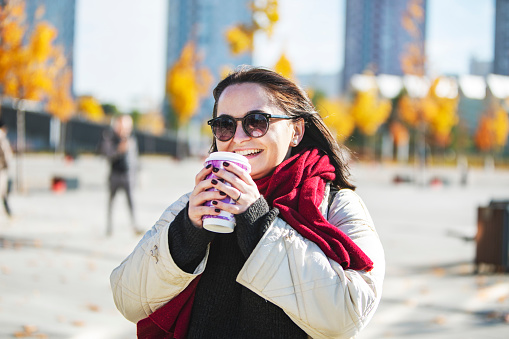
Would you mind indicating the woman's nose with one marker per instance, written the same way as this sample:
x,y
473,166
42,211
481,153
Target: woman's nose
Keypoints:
x,y
240,135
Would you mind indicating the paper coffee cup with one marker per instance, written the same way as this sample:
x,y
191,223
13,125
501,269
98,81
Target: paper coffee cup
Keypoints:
x,y
225,221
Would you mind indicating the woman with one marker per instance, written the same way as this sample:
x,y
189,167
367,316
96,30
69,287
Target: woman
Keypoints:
x,y
304,259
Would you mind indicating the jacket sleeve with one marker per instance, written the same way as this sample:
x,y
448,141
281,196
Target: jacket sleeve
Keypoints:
x,y
320,296
5,152
148,278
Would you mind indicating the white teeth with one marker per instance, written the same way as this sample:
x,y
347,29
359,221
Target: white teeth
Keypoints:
x,y
248,152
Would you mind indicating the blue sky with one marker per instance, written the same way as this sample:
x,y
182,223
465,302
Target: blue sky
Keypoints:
x,y
120,44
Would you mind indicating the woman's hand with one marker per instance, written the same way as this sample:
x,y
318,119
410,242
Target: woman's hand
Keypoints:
x,y
200,195
243,189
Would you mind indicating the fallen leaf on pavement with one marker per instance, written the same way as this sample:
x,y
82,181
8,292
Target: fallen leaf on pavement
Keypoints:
x,y
93,308
439,320
438,271
30,329
502,299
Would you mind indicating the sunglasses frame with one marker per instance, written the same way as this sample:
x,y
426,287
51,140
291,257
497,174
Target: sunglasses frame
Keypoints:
x,y
267,117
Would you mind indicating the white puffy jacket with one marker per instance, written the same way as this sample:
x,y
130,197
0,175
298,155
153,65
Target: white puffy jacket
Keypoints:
x,y
290,271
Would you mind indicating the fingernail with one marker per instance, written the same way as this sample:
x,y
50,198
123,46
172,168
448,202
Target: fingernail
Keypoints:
x,y
215,169
225,164
214,182
214,202
208,166
217,210
222,193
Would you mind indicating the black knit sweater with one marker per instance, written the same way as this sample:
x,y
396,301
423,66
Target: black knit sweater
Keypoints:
x,y
222,307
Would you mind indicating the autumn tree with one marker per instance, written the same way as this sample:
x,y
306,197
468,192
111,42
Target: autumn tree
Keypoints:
x,y
264,16
336,115
90,108
186,84
445,117
435,114
369,111
151,122
30,67
284,67
493,129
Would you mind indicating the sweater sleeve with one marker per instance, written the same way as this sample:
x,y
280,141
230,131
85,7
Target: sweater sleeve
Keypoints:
x,y
252,224
187,243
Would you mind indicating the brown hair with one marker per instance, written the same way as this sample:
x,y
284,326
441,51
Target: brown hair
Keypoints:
x,y
294,101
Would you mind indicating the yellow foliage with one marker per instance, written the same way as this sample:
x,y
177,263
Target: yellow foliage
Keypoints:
x,y
439,114
264,17
444,116
225,71
493,129
369,112
186,83
284,67
152,123
90,108
501,127
61,103
31,71
336,116
12,34
41,41
240,39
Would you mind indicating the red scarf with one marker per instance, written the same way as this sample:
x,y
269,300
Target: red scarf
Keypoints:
x,y
296,188
171,320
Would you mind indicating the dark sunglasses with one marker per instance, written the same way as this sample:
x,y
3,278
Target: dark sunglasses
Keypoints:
x,y
255,124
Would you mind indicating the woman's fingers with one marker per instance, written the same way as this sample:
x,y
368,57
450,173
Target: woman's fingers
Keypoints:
x,y
238,185
202,174
239,172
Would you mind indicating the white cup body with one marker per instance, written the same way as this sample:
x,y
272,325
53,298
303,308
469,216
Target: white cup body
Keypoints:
x,y
225,221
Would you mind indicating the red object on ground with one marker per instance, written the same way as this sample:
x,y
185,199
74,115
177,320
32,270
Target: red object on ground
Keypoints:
x,y
58,185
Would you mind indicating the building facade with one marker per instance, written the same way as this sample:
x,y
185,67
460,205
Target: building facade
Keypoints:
x,y
205,22
501,55
375,38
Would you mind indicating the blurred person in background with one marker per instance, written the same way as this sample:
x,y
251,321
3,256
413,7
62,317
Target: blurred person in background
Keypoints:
x,y
304,258
5,164
121,149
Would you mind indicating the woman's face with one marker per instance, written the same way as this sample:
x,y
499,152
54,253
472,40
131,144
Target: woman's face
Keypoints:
x,y
264,153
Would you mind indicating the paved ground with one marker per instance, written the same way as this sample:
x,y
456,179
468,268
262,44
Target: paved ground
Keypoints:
x,y
55,260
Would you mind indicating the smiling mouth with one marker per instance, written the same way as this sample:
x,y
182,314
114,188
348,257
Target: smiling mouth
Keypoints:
x,y
248,152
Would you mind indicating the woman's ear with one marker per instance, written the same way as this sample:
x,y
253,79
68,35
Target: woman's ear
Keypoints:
x,y
298,134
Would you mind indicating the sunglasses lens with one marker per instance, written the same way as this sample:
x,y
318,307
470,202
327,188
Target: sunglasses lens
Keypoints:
x,y
224,128
255,125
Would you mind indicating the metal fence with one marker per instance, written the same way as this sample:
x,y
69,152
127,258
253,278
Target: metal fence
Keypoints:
x,y
46,134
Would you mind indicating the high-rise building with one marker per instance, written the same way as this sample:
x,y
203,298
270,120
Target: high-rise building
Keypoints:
x,y
375,38
61,15
501,57
205,22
